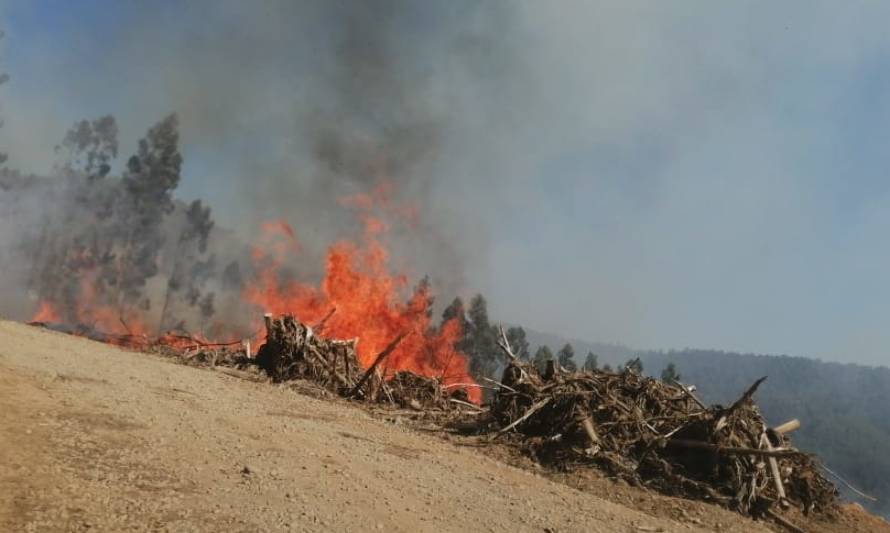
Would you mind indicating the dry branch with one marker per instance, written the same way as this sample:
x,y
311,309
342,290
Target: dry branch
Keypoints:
x,y
377,360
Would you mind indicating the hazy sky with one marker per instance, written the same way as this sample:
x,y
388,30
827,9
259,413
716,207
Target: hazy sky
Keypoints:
x,y
662,174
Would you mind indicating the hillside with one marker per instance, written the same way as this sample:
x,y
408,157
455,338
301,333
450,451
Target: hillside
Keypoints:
x,y
98,439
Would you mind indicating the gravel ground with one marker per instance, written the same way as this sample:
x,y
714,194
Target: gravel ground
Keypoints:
x,y
93,438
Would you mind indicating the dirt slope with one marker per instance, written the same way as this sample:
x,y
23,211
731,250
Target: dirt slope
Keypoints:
x,y
97,439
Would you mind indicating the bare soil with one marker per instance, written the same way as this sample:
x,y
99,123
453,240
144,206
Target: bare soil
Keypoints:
x,y
93,438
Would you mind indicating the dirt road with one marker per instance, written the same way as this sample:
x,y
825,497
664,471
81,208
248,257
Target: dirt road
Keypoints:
x,y
97,439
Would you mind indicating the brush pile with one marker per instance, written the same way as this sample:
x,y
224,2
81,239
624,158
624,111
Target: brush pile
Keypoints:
x,y
292,351
652,434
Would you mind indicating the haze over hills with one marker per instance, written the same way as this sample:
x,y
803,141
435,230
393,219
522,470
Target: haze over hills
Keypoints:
x,y
843,407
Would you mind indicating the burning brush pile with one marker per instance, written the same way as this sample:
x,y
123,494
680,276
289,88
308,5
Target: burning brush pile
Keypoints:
x,y
294,350
657,435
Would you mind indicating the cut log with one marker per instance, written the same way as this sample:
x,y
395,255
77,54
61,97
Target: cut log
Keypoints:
x,y
773,467
586,424
787,427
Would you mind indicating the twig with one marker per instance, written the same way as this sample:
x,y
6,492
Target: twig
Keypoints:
x,y
531,410
688,394
453,385
500,385
466,404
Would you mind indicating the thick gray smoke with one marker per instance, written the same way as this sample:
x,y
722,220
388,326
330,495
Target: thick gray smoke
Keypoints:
x,y
388,93
294,107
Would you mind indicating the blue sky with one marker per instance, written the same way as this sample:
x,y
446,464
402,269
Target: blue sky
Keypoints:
x,y
664,175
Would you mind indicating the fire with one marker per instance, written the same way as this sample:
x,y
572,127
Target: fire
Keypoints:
x,y
90,311
46,312
367,299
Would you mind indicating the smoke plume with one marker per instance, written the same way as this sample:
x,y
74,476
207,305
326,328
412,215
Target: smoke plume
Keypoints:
x,y
326,115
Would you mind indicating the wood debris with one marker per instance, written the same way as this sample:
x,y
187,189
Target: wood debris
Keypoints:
x,y
657,435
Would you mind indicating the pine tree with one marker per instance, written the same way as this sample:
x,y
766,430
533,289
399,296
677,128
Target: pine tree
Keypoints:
x,y
633,365
542,355
518,343
590,364
152,175
482,346
670,374
90,147
566,358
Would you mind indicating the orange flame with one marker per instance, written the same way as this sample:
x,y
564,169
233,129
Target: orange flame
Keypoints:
x,y
46,312
366,296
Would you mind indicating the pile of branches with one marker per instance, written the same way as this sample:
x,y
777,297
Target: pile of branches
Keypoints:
x,y
293,350
657,435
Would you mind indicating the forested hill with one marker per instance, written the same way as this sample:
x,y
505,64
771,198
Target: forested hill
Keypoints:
x,y
844,408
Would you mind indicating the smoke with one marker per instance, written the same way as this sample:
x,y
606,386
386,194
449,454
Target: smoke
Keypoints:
x,y
658,175
285,111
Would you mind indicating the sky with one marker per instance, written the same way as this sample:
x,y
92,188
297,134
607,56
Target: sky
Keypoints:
x,y
663,175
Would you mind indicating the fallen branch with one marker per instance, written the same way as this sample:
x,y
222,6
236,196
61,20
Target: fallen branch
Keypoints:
x,y
732,450
783,521
746,396
530,412
379,359
466,404
321,323
504,344
688,394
